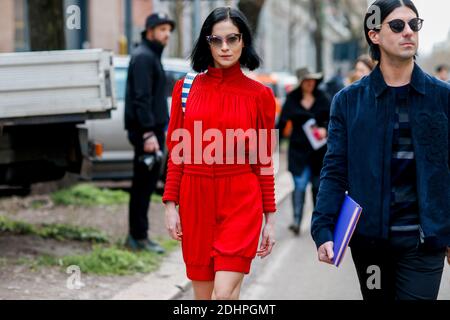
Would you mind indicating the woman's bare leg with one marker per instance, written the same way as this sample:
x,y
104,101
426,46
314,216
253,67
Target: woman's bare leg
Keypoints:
x,y
227,284
203,289
237,291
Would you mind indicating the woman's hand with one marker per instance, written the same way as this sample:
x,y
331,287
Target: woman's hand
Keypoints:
x,y
173,224
268,236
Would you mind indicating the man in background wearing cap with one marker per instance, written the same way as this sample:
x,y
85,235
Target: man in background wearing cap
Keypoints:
x,y
146,117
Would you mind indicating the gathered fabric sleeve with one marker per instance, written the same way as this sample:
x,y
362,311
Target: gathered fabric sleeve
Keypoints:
x,y
264,169
174,169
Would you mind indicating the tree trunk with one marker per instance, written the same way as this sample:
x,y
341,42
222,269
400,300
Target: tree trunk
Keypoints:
x,y
316,9
46,25
251,9
179,9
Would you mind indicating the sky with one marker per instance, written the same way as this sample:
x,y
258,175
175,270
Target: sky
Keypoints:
x,y
436,28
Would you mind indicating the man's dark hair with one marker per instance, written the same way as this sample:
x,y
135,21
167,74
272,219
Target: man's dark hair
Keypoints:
x,y
385,8
442,67
201,56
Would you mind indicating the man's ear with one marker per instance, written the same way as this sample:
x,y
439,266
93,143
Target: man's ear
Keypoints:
x,y
150,34
374,36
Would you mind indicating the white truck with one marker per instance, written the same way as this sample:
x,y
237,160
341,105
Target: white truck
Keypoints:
x,y
45,98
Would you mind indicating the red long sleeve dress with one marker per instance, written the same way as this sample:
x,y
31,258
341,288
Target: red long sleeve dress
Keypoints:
x,y
221,205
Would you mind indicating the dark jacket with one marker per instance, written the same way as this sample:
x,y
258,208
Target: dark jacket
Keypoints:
x,y
300,153
146,101
360,151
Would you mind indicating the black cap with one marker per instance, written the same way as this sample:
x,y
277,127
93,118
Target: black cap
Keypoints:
x,y
156,19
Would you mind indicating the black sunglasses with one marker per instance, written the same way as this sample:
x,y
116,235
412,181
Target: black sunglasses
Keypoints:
x,y
398,25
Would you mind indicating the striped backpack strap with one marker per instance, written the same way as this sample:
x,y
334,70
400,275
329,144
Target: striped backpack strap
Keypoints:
x,y
187,84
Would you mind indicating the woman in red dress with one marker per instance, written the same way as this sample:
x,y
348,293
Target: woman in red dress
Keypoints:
x,y
222,186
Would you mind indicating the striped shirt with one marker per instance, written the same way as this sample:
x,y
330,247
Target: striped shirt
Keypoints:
x,y
404,204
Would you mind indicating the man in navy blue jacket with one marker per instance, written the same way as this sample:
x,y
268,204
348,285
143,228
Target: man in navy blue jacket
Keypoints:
x,y
388,146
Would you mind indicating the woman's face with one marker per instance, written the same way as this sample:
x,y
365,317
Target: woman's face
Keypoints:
x,y
308,85
361,70
226,44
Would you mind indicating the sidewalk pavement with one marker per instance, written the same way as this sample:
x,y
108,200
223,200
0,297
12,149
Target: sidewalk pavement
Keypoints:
x,y
170,281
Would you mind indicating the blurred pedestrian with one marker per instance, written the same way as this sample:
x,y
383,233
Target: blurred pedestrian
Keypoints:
x,y
146,117
363,67
334,84
442,72
388,146
221,202
306,102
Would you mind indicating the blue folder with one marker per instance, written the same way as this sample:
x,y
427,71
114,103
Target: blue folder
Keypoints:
x,y
345,226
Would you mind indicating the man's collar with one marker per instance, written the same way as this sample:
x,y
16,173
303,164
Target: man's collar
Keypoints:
x,y
379,85
155,46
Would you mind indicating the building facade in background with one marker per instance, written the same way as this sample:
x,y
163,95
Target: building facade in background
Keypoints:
x,y
285,36
440,55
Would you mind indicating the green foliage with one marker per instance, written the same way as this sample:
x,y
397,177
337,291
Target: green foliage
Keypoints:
x,y
16,227
68,232
89,195
111,260
53,231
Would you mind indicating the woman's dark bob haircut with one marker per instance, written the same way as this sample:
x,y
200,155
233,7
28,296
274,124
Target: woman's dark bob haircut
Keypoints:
x,y
201,56
384,8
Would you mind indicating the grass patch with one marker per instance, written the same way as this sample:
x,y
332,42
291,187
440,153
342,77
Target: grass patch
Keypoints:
x,y
156,198
3,262
89,195
53,231
113,261
110,260
16,227
68,232
38,204
104,259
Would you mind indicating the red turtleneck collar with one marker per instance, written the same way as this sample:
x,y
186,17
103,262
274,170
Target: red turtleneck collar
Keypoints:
x,y
225,74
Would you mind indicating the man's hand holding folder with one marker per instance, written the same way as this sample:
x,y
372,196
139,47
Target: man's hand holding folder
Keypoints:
x,y
326,253
332,252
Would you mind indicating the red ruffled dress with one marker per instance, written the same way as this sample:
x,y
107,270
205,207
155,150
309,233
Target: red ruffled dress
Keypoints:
x,y
221,204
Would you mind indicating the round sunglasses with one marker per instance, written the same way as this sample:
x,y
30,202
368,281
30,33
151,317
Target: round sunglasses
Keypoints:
x,y
398,25
231,40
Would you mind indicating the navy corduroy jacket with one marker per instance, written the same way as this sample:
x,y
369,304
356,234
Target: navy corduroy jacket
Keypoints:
x,y
360,150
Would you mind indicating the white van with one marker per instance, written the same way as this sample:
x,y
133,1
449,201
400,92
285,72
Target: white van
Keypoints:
x,y
112,153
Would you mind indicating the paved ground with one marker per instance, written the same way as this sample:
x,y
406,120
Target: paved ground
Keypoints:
x,y
293,272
